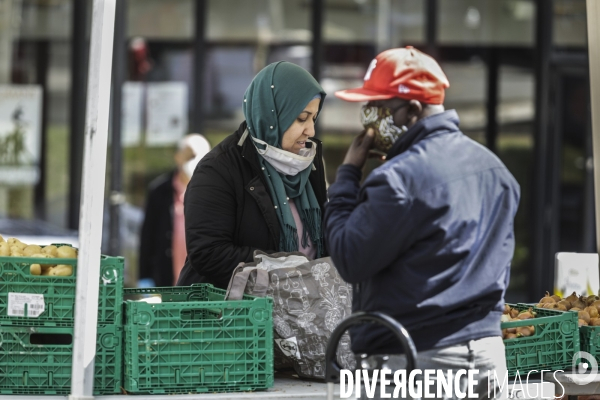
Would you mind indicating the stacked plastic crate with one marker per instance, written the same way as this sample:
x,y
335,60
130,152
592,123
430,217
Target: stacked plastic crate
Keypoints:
x,y
552,346
36,328
194,341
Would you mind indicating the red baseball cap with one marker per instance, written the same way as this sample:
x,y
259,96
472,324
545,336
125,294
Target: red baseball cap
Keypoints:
x,y
406,73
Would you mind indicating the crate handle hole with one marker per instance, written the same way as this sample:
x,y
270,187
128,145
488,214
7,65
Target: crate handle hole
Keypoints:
x,y
201,314
51,338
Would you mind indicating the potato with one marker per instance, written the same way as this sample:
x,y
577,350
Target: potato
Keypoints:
x,y
16,251
62,270
66,252
32,249
42,255
4,249
16,242
2,239
35,269
51,249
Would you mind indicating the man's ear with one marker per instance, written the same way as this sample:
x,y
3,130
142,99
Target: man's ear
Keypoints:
x,y
414,109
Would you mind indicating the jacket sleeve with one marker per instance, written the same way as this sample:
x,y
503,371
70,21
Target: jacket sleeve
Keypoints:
x,y
147,238
210,223
367,228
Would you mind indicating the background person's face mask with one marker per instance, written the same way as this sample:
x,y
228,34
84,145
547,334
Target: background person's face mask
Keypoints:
x,y
189,167
381,120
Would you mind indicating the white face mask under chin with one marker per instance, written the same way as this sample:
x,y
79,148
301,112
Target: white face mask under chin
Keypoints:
x,y
189,167
285,162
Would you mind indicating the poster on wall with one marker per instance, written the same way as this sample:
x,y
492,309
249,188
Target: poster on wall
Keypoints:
x,y
166,112
20,134
131,113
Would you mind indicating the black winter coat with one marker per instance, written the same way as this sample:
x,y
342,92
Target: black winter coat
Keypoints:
x,y
155,258
229,212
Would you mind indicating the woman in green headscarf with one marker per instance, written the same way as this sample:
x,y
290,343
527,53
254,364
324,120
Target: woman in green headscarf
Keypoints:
x,y
263,187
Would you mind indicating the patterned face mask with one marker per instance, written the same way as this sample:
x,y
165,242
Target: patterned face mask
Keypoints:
x,y
380,119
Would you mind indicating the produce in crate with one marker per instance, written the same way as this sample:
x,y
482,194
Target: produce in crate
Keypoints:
x,y
13,247
31,249
16,251
35,269
14,242
587,307
61,270
512,314
39,269
66,252
51,250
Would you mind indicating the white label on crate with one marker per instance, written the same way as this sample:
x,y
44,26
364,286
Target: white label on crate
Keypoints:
x,y
16,304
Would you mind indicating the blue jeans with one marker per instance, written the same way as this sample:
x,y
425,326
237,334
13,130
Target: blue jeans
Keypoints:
x,y
485,355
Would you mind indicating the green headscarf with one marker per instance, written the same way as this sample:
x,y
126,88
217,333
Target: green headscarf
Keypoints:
x,y
272,102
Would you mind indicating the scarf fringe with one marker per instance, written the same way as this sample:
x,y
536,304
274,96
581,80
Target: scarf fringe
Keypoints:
x,y
311,219
289,241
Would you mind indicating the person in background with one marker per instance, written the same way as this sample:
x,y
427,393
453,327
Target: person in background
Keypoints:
x,y
162,243
428,237
263,187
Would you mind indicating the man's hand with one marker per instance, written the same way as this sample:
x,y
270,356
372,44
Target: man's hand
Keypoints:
x,y
359,149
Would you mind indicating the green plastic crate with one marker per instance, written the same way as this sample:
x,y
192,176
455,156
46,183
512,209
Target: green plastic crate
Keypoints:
x,y
194,341
551,347
590,340
59,292
29,367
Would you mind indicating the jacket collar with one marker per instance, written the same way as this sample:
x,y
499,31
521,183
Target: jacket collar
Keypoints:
x,y
446,121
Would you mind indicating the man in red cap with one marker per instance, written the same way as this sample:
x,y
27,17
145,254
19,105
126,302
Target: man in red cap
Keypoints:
x,y
428,237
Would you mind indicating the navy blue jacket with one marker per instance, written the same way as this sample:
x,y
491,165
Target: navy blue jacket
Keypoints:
x,y
428,238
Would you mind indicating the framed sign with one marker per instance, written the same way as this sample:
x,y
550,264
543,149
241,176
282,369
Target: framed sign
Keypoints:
x,y
166,111
20,133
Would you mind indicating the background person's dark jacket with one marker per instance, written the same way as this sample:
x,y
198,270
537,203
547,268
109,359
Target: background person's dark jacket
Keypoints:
x,y
229,212
155,256
427,239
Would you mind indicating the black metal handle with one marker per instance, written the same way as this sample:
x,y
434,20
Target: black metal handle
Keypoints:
x,y
332,368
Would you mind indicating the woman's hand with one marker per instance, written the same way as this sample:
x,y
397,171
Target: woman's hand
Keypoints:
x,y
359,149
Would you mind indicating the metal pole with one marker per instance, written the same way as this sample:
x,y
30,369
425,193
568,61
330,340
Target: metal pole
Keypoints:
x,y
431,27
542,274
317,38
92,205
6,39
42,61
79,59
317,11
116,160
199,62
491,131
593,18
384,25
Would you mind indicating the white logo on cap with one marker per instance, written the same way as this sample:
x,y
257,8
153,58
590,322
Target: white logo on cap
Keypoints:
x,y
403,89
370,70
